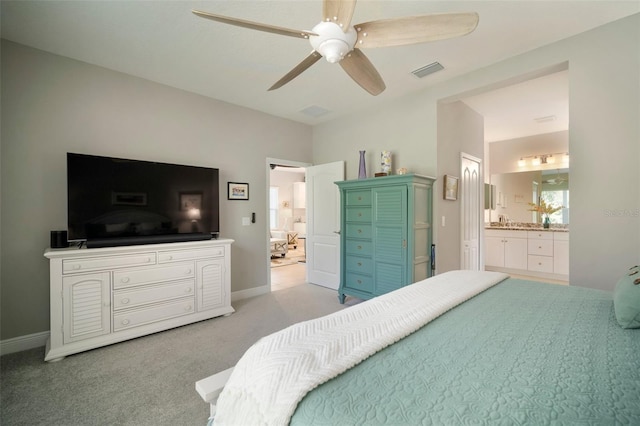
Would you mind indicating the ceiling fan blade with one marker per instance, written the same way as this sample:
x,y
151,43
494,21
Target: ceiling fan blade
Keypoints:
x,y
297,70
338,11
254,25
362,71
415,29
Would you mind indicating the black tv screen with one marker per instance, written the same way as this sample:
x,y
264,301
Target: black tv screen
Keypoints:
x,y
115,201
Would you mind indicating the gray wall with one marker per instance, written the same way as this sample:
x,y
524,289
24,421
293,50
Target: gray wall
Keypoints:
x,y
460,129
604,99
52,105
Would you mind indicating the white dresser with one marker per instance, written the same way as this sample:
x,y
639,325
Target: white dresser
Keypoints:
x,y
106,295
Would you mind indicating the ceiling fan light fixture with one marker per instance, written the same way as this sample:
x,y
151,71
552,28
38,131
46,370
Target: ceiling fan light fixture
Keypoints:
x,y
332,42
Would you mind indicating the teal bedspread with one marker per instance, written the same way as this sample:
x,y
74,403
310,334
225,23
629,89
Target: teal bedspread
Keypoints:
x,y
519,353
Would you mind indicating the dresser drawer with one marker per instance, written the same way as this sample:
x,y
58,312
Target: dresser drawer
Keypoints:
x,y
540,247
540,235
358,198
363,265
151,294
540,263
133,277
178,255
136,317
358,247
358,230
359,282
107,262
358,214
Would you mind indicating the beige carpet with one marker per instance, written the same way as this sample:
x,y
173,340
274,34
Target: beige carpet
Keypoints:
x,y
293,256
149,380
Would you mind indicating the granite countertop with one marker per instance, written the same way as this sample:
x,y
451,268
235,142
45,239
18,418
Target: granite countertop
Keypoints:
x,y
515,226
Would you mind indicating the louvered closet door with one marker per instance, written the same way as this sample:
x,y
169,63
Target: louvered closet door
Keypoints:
x,y
390,240
210,283
86,306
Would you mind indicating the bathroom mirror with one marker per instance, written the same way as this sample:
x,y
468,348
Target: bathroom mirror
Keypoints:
x,y
514,191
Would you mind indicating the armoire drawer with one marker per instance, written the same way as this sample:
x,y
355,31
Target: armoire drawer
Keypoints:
x,y
359,282
358,230
144,295
136,317
358,198
363,265
133,277
178,255
358,214
358,247
70,266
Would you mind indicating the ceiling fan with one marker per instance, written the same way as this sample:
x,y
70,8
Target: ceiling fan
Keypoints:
x,y
555,180
335,39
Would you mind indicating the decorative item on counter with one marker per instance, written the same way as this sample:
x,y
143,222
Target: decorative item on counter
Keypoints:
x,y
546,210
362,169
401,171
381,174
385,162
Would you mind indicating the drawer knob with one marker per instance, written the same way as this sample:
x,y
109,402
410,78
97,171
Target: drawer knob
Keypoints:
x,y
148,259
359,214
359,281
359,231
188,290
76,267
359,247
125,322
359,263
539,263
125,301
188,271
187,308
169,257
125,280
359,198
539,247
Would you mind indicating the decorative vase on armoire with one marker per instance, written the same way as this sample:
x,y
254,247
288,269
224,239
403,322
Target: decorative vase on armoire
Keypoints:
x,y
362,169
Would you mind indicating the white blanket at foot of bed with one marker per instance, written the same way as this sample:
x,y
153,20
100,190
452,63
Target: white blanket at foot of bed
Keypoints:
x,y
275,374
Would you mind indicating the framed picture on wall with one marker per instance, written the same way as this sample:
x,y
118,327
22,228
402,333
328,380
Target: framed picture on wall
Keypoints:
x,y
450,191
237,191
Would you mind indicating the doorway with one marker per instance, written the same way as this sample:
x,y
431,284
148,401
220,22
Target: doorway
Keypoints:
x,y
287,223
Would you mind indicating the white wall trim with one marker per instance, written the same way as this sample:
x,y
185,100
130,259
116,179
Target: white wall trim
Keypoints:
x,y
250,292
23,343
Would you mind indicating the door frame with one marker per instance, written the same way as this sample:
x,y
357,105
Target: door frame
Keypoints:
x,y
268,162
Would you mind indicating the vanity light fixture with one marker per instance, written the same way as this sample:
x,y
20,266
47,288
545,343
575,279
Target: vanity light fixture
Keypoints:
x,y
543,159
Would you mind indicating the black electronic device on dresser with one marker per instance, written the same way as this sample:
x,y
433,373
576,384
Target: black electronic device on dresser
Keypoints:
x,y
115,201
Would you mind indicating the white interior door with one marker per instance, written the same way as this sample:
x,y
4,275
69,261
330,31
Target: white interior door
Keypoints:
x,y
471,214
323,224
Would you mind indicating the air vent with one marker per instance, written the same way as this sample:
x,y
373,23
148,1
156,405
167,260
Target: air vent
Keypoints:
x,y
545,119
427,69
315,111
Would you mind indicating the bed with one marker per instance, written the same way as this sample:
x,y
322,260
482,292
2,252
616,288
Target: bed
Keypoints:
x,y
459,348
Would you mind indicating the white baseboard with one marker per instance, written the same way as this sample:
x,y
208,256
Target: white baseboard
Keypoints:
x,y
251,292
30,341
22,343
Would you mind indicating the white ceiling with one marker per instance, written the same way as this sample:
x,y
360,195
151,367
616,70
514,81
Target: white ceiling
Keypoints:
x,y
164,42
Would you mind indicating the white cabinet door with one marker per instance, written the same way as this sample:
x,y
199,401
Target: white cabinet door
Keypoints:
x,y
210,277
515,253
86,306
561,257
494,251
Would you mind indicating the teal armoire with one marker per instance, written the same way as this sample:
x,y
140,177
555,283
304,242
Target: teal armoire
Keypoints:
x,y
386,234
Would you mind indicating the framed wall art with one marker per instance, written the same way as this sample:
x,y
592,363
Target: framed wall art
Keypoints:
x,y
450,191
237,191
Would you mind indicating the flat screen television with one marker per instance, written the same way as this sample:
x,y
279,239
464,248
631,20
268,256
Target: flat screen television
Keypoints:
x,y
115,201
